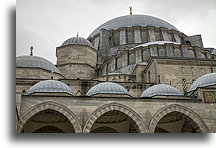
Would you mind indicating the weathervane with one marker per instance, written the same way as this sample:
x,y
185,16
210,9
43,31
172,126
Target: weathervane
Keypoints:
x,y
31,53
130,10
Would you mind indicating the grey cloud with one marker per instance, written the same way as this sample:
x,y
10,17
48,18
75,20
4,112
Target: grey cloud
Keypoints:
x,y
48,23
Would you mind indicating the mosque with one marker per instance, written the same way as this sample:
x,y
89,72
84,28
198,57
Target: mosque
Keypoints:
x,y
133,74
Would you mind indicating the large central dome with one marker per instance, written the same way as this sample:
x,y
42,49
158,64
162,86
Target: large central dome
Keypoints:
x,y
133,20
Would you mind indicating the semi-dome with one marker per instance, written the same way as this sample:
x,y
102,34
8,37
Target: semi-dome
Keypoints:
x,y
77,41
203,81
36,62
133,20
161,89
107,88
50,86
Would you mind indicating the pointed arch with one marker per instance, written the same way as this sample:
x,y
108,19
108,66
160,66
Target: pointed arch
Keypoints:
x,y
118,107
49,105
178,108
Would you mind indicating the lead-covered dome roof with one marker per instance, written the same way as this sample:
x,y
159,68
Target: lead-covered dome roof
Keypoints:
x,y
77,41
203,81
133,20
107,88
160,90
50,86
36,62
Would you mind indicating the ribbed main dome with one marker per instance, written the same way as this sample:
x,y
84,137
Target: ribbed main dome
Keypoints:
x,y
161,89
36,62
205,80
133,20
50,86
107,88
77,41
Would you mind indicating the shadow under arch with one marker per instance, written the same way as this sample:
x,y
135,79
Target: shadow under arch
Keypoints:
x,y
118,107
177,108
49,105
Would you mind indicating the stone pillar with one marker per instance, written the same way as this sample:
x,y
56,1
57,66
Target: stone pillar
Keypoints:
x,y
169,50
96,43
208,55
153,50
164,34
103,52
195,40
137,35
124,60
138,56
198,52
184,49
122,36
113,64
152,37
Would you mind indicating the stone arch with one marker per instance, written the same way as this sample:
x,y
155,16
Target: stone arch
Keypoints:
x,y
178,108
118,107
49,105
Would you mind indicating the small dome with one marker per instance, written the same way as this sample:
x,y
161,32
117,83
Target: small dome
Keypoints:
x,y
107,88
50,86
132,20
36,62
205,80
161,89
77,41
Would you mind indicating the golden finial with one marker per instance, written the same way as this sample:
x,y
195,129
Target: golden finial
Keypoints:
x,y
130,10
77,34
31,53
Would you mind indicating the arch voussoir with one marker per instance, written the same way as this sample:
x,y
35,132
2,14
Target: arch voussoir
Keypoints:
x,y
49,105
114,106
178,108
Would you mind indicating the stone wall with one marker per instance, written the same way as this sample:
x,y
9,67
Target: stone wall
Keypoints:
x,y
36,73
78,71
173,72
77,61
124,63
145,112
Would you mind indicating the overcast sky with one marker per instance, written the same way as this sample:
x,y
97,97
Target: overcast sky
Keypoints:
x,y
46,24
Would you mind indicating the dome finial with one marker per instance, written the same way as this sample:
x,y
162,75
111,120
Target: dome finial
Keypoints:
x,y
77,34
130,10
31,53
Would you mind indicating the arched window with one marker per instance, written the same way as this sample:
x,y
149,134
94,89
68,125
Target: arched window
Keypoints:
x,y
157,36
146,55
177,53
202,55
132,58
191,54
119,62
109,67
162,53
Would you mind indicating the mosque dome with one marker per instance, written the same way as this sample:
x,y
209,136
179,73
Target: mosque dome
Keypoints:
x,y
133,20
35,62
205,80
161,89
50,86
107,88
77,41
